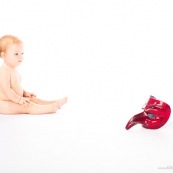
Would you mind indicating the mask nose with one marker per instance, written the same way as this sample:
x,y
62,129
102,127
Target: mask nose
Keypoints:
x,y
155,115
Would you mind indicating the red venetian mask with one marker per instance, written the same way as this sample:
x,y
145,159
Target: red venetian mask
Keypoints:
x,y
156,113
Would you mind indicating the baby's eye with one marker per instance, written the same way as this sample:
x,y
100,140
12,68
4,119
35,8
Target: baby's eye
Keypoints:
x,y
22,53
16,54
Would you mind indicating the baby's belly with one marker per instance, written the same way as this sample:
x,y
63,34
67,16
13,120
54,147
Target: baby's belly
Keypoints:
x,y
18,91
3,97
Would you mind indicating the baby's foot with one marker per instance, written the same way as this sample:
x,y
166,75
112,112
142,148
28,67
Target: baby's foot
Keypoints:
x,y
61,102
53,107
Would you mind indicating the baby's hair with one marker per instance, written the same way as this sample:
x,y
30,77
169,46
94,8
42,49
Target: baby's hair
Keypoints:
x,y
7,41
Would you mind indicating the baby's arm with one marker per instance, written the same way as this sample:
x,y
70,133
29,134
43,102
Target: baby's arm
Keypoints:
x,y
8,92
28,94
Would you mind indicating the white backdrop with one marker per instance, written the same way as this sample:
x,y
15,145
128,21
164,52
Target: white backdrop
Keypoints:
x,y
108,57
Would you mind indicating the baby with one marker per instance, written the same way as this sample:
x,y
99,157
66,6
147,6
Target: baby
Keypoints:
x,y
13,99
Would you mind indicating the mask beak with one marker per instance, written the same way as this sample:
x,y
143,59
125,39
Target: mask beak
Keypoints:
x,y
136,119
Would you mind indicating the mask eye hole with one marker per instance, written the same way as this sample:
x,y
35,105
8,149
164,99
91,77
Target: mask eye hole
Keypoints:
x,y
151,116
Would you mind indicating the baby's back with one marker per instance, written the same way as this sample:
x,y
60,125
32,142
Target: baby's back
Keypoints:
x,y
2,78
11,79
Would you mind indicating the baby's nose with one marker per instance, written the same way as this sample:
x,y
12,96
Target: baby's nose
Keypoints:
x,y
20,58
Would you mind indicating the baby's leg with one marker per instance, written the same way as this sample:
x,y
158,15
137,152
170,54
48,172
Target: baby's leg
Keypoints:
x,y
8,107
41,102
59,102
34,108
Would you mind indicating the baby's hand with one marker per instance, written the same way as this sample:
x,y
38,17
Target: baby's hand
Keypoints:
x,y
24,101
29,95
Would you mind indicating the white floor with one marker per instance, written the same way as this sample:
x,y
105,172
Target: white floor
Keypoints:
x,y
107,57
83,136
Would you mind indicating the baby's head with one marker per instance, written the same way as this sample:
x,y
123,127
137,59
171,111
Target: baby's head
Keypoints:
x,y
7,41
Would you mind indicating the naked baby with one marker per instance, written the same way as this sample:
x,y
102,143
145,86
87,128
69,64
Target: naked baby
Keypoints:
x,y
13,98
